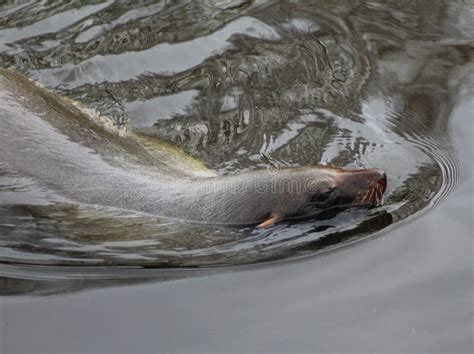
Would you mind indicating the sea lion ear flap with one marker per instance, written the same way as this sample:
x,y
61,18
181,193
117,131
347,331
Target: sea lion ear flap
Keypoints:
x,y
273,218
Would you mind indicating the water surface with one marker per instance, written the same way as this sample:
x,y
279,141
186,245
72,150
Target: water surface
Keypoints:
x,y
241,86
245,85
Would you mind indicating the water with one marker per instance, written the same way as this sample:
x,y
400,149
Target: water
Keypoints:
x,y
236,85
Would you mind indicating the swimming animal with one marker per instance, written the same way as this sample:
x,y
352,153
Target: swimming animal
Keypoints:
x,y
78,155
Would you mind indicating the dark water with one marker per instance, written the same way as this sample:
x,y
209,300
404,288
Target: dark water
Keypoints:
x,y
242,85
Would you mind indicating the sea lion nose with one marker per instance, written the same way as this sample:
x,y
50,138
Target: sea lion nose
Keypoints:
x,y
382,179
380,174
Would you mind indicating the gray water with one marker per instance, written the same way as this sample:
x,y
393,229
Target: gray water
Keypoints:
x,y
237,84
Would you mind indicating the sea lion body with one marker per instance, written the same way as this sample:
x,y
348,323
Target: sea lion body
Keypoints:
x,y
49,139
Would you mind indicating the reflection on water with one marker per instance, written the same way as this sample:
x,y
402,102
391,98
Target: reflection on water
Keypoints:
x,y
237,84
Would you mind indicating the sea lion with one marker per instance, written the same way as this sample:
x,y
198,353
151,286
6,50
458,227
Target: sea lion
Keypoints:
x,y
51,140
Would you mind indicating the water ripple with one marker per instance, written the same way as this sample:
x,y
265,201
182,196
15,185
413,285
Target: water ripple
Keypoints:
x,y
237,85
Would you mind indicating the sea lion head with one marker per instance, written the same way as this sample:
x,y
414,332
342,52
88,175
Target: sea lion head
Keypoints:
x,y
326,190
330,187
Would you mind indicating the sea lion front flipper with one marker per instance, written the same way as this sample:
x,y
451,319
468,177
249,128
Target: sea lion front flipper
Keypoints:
x,y
274,217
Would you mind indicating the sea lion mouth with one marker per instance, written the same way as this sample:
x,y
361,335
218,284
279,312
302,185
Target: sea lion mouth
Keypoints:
x,y
374,195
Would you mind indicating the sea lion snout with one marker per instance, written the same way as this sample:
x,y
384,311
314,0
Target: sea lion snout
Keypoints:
x,y
368,185
377,177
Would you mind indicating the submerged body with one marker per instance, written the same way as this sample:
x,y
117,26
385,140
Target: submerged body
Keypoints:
x,y
50,140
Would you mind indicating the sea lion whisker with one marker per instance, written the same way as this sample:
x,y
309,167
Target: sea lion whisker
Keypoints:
x,y
380,197
371,196
374,195
365,197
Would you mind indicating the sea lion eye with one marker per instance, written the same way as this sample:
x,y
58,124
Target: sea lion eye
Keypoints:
x,y
323,195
